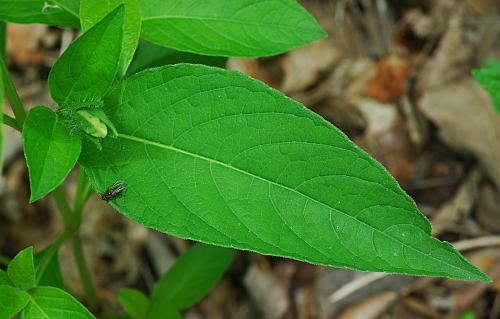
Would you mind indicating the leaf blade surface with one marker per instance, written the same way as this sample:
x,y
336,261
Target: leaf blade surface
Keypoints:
x,y
246,28
215,156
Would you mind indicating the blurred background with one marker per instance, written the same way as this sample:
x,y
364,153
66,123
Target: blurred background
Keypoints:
x,y
393,75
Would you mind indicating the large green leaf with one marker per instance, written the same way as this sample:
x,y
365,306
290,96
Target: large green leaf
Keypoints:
x,y
54,303
92,11
21,269
489,78
50,149
135,302
86,70
246,28
40,11
12,300
215,156
192,275
149,55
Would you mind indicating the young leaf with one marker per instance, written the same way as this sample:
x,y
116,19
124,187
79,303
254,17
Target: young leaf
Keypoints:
x,y
134,302
149,55
163,310
39,11
92,11
4,278
54,303
86,70
215,156
489,78
50,149
247,28
21,269
192,275
12,300
52,275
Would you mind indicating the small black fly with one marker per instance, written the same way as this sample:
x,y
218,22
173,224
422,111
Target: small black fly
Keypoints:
x,y
113,191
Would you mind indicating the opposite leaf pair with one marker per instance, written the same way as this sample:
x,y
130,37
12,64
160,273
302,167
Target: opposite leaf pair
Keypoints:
x,y
20,291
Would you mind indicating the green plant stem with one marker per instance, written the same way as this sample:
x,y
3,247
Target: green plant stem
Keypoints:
x,y
10,121
64,208
12,96
54,248
3,39
4,260
88,285
72,221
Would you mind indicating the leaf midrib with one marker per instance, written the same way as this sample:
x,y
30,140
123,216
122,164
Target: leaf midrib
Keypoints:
x,y
175,149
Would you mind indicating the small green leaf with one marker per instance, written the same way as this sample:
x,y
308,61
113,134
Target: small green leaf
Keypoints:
x,y
135,302
52,275
12,300
92,11
54,303
91,124
468,314
50,149
489,78
86,70
4,279
39,11
247,28
163,311
215,156
21,269
150,55
192,275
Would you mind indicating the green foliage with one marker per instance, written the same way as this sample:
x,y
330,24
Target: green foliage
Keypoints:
x,y
53,303
134,302
12,300
187,281
50,149
246,28
192,276
150,55
1,114
489,78
21,269
52,273
4,278
86,70
204,153
240,165
40,11
92,11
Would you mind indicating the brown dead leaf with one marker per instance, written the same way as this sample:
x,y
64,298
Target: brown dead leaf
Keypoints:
x,y
459,206
390,80
303,66
466,121
370,308
488,214
269,295
453,58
